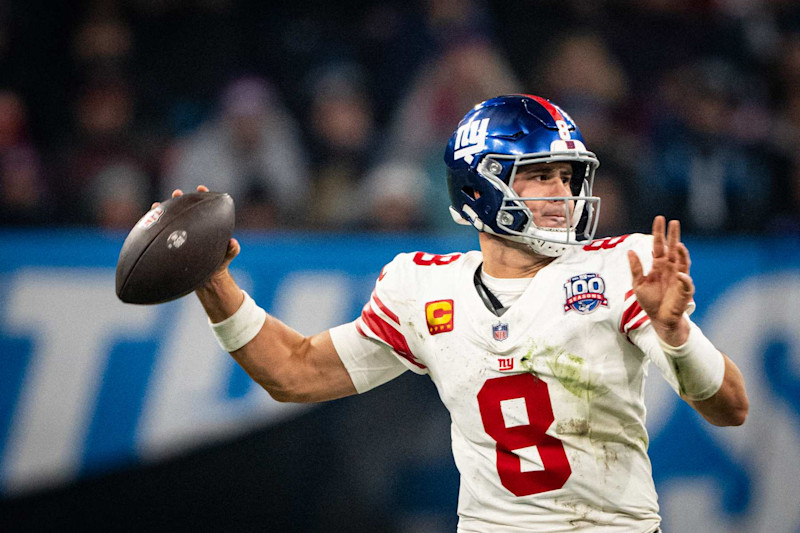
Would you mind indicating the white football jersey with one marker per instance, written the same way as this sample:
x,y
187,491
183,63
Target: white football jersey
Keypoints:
x,y
546,401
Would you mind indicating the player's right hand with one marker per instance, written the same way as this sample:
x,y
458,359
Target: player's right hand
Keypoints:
x,y
233,245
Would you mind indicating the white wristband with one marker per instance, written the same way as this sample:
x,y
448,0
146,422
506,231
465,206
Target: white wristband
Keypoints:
x,y
241,327
699,366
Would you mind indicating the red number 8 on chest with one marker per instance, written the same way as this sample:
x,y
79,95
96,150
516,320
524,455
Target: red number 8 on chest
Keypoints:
x,y
554,470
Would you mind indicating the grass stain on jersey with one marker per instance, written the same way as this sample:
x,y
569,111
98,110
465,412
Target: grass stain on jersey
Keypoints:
x,y
573,426
569,369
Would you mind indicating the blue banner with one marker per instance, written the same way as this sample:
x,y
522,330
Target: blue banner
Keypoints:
x,y
88,383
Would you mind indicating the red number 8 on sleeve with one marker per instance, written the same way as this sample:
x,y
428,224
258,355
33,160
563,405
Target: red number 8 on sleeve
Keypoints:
x,y
533,392
423,259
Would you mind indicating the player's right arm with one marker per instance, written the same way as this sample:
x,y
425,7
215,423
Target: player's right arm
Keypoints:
x,y
288,365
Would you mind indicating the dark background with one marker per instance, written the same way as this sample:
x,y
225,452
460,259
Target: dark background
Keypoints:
x,y
692,106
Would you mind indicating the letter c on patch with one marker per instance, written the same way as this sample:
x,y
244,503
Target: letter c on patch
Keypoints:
x,y
439,316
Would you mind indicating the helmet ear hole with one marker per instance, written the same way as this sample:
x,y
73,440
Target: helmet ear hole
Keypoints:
x,y
472,193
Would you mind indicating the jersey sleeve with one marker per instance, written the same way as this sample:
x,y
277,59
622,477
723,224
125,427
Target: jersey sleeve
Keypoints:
x,y
380,318
369,363
378,350
646,339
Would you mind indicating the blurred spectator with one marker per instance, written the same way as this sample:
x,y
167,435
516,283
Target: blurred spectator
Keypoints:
x,y
24,195
453,20
341,127
445,88
581,66
624,69
119,194
392,29
397,195
104,40
251,150
784,134
106,137
699,171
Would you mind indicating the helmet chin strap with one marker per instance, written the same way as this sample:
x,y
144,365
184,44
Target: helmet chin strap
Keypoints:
x,y
538,246
549,249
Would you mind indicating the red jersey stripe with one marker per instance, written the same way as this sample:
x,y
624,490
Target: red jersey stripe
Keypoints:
x,y
384,308
629,294
639,322
384,331
632,310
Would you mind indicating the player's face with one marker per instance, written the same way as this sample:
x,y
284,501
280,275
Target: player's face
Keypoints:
x,y
545,180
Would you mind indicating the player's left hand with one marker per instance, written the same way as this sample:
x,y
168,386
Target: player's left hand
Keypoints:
x,y
666,291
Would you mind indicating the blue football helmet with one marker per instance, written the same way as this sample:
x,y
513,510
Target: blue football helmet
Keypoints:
x,y
491,142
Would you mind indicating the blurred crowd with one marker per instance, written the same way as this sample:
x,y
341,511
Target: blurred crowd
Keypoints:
x,y
334,115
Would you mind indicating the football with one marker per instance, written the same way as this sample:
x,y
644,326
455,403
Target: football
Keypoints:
x,y
175,247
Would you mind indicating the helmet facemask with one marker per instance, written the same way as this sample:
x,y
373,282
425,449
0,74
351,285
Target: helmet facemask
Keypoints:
x,y
516,219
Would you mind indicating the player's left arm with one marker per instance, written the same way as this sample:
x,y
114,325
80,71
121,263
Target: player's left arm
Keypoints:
x,y
729,405
709,380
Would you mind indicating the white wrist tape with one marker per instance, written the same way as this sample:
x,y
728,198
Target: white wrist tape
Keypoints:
x,y
241,327
699,366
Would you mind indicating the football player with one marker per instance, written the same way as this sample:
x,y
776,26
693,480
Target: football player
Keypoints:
x,y
538,343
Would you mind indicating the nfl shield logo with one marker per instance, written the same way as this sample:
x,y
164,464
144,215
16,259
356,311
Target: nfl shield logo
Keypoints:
x,y
500,331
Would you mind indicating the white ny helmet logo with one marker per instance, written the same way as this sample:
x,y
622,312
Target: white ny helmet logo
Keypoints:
x,y
471,139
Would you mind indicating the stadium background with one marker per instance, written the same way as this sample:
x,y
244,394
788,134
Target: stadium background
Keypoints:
x,y
327,123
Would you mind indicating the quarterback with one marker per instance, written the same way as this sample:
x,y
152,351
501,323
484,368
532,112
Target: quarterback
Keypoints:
x,y
539,343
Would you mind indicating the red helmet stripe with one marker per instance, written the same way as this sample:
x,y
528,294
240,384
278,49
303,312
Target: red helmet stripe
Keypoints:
x,y
547,105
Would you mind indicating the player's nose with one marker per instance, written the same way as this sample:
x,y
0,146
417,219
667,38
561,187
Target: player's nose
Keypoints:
x,y
559,188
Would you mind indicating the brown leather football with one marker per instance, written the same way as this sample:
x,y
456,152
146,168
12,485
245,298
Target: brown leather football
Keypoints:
x,y
175,247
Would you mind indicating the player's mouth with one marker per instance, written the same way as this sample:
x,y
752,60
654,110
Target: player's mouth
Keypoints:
x,y
551,221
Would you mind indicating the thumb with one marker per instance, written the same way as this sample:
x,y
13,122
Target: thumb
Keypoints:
x,y
233,250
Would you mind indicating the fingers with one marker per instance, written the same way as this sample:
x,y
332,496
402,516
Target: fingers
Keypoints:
x,y
230,254
673,240
687,285
175,193
670,245
636,267
674,233
233,249
200,188
659,248
684,261
178,192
